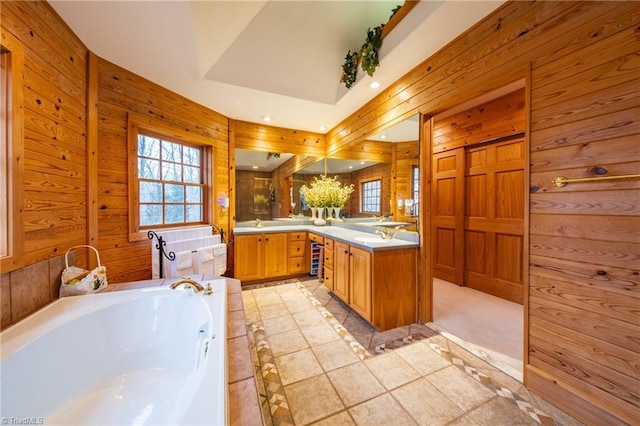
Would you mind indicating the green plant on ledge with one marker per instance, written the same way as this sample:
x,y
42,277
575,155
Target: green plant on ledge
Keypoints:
x,y
370,48
350,69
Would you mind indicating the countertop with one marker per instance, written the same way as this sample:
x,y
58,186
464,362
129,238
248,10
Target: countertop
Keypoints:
x,y
365,240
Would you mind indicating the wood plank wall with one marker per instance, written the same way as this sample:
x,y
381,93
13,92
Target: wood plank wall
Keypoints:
x,y
54,97
584,254
121,92
378,171
407,155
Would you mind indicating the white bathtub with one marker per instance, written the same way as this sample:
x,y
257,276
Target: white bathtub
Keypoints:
x,y
147,356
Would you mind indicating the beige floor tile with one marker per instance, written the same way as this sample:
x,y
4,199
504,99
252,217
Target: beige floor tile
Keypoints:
x,y
341,419
287,342
273,310
266,296
278,324
312,399
460,387
251,315
383,410
297,366
499,411
355,384
308,318
320,333
338,309
295,306
421,357
426,404
465,420
334,355
391,370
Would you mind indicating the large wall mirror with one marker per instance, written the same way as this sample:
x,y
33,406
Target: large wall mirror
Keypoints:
x,y
383,169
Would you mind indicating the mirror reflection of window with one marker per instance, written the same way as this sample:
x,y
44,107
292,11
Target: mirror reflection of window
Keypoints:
x,y
415,189
370,197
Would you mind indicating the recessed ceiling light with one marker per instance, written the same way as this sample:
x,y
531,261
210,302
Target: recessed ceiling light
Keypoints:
x,y
374,84
322,128
351,167
254,167
362,162
383,136
266,118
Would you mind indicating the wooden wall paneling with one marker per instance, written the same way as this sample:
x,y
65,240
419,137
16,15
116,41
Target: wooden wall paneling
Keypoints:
x,y
15,149
92,154
502,116
122,93
552,37
491,52
375,151
427,242
54,88
277,139
378,171
407,157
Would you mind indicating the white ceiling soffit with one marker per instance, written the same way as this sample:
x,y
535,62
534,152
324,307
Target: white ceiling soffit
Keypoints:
x,y
276,58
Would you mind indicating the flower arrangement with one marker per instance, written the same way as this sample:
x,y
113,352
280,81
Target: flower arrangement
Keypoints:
x,y
326,192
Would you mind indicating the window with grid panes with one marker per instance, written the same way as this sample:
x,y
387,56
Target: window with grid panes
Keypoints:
x,y
370,196
171,183
415,189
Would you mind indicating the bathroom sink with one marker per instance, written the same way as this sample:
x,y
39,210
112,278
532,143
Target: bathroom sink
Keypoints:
x,y
392,224
370,240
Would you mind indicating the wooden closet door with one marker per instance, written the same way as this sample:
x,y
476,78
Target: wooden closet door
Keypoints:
x,y
447,222
494,219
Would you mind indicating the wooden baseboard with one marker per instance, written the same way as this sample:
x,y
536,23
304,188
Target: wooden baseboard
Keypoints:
x,y
569,399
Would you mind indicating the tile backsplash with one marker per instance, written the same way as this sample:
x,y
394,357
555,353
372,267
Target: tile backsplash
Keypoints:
x,y
26,290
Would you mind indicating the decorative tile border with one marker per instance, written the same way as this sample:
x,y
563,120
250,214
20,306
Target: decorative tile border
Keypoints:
x,y
501,391
278,405
344,334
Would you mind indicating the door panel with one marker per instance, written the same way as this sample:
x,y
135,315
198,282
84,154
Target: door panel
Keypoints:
x,y
276,255
448,215
341,271
360,289
494,222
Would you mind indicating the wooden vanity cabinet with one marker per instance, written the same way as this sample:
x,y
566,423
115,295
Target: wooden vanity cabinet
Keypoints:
x,y
378,285
261,256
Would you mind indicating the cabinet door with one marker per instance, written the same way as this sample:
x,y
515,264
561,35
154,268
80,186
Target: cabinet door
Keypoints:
x,y
276,255
248,257
360,279
341,271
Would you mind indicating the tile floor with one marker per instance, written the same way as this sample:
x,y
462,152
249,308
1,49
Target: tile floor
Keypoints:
x,y
321,364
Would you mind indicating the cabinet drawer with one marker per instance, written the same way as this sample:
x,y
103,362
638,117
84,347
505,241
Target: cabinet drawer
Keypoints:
x,y
297,265
316,238
328,278
297,248
328,244
297,236
328,258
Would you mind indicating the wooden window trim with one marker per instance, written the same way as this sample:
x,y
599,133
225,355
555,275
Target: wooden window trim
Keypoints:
x,y
416,204
15,153
137,124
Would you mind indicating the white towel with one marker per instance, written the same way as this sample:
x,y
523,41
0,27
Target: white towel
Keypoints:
x,y
205,260
182,265
220,258
212,260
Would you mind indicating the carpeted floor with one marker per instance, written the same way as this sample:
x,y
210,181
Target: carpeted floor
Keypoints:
x,y
487,326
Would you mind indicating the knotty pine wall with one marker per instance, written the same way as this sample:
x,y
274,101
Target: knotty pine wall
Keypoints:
x,y
580,62
53,182
406,157
120,93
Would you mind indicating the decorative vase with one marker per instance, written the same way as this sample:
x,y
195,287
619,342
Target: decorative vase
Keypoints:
x,y
314,213
336,214
320,219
